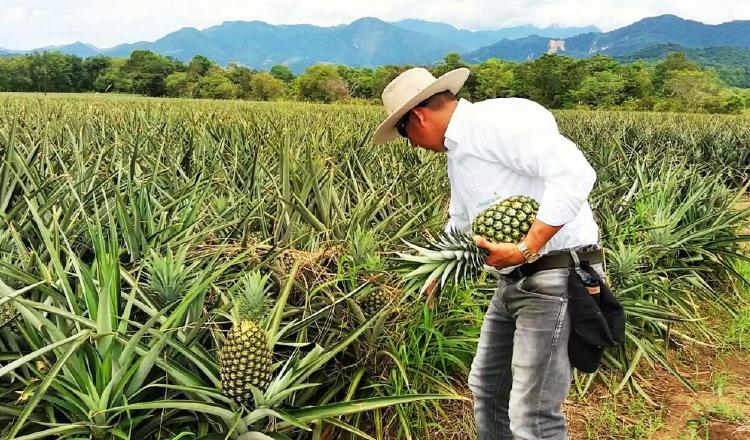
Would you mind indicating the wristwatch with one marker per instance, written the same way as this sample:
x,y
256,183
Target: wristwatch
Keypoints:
x,y
529,255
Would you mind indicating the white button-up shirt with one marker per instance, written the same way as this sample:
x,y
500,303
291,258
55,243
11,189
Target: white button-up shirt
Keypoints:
x,y
503,147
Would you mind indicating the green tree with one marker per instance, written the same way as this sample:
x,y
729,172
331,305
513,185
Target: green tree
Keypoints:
x,y
494,79
638,80
215,86
601,63
694,90
241,77
321,82
450,61
92,67
359,81
199,65
602,89
180,84
148,72
283,73
675,61
14,75
113,79
548,80
733,104
52,71
266,87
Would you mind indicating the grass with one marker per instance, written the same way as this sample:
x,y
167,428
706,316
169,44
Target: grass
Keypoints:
x,y
617,417
738,333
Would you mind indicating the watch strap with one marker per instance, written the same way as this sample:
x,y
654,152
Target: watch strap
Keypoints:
x,y
528,254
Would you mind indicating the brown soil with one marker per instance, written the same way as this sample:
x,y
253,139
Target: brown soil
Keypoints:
x,y
722,384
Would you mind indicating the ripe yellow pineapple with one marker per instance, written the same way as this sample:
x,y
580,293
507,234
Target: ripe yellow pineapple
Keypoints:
x,y
246,359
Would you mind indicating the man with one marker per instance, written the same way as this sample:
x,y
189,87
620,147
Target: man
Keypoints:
x,y
497,149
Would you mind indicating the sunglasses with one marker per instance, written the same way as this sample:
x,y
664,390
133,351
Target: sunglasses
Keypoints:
x,y
404,121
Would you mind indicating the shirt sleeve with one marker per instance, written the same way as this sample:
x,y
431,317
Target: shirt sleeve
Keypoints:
x,y
545,153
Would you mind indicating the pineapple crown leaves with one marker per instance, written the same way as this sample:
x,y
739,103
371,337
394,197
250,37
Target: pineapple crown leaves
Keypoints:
x,y
167,273
453,253
250,297
362,256
364,245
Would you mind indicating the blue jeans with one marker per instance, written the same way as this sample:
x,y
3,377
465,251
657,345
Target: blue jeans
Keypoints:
x,y
521,372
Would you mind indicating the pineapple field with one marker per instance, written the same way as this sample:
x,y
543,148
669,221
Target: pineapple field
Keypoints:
x,y
184,269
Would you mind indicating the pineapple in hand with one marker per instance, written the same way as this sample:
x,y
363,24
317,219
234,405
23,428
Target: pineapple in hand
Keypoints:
x,y
245,359
456,255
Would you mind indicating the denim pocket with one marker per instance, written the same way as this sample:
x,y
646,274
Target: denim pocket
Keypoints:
x,y
552,283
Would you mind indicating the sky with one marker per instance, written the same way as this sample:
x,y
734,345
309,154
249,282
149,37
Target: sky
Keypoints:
x,y
30,24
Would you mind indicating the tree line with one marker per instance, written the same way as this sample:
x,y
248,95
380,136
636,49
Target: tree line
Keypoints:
x,y
673,84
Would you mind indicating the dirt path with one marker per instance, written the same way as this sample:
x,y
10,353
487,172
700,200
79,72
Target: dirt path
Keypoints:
x,y
718,410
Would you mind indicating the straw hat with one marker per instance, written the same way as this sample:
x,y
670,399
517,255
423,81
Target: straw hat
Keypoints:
x,y
409,89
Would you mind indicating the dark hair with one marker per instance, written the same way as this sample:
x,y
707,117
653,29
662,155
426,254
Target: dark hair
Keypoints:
x,y
439,99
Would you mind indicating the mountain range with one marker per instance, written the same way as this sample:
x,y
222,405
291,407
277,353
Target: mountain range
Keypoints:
x,y
661,30
472,40
364,42
372,42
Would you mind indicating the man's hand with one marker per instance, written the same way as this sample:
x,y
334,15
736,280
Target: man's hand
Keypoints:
x,y
501,255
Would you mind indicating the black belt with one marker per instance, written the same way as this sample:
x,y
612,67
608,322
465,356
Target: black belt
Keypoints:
x,y
558,260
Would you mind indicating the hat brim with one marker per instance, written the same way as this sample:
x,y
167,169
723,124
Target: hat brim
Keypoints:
x,y
452,81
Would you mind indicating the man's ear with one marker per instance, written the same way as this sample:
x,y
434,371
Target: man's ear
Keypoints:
x,y
420,113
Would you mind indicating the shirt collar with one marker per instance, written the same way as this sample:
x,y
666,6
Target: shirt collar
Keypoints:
x,y
453,131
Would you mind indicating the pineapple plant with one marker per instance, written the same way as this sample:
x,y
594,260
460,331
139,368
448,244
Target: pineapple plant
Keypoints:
x,y
455,253
245,359
361,262
167,275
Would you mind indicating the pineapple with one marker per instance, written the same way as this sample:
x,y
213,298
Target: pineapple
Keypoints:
x,y
456,254
508,221
246,359
373,301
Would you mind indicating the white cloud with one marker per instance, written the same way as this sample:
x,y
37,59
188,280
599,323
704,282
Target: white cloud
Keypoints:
x,y
16,13
34,23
